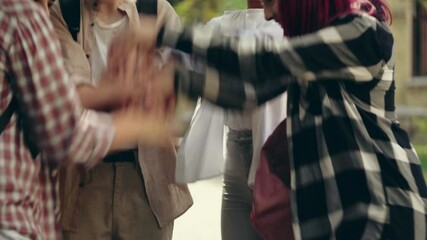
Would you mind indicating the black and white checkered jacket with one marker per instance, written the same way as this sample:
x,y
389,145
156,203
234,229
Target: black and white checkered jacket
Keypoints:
x,y
354,172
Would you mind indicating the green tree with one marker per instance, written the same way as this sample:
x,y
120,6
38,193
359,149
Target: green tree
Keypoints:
x,y
204,10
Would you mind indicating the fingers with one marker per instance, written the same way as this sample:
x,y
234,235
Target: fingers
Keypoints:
x,y
163,79
130,61
137,71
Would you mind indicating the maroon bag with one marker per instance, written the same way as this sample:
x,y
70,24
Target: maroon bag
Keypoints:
x,y
271,207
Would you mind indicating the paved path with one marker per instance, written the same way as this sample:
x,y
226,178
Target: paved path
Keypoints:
x,y
202,220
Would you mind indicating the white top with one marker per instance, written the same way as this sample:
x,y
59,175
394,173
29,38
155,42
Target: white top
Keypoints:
x,y
264,119
237,23
197,158
103,34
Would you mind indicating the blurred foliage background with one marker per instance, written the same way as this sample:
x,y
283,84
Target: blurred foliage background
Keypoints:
x,y
204,10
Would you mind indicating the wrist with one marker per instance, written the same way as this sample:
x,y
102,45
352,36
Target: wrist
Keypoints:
x,y
113,95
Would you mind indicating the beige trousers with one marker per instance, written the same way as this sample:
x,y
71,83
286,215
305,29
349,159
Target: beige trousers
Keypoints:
x,y
115,206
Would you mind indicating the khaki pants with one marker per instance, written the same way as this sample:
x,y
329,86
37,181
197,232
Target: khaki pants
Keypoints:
x,y
115,206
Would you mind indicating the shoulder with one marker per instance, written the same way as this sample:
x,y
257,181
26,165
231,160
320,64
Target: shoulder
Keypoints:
x,y
357,28
216,21
165,7
166,13
24,16
55,9
23,11
271,28
28,31
56,14
360,22
16,7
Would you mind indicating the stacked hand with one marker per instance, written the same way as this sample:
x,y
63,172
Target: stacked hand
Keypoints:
x,y
146,83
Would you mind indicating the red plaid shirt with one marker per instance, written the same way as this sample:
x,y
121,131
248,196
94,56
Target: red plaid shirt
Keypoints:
x,y
31,57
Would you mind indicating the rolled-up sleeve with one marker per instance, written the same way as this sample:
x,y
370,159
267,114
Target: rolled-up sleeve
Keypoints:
x,y
48,100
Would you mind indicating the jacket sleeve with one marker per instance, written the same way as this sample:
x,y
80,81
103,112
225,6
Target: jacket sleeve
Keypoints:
x,y
245,71
48,100
167,15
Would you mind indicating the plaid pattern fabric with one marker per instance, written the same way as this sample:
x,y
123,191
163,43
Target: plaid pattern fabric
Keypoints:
x,y
48,104
354,172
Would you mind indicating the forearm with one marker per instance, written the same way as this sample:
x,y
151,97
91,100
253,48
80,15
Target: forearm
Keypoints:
x,y
222,82
348,50
91,139
125,137
225,91
102,98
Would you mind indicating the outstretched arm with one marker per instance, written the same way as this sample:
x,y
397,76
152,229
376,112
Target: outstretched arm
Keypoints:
x,y
245,71
47,99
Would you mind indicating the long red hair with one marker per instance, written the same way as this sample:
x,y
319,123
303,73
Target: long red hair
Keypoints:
x,y
299,17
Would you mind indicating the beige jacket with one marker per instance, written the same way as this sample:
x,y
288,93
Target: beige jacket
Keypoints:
x,y
168,200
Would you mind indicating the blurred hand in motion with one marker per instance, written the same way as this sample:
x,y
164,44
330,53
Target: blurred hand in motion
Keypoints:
x,y
164,81
151,97
139,74
149,128
129,64
129,41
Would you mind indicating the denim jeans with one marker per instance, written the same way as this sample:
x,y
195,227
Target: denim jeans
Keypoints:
x,y
237,196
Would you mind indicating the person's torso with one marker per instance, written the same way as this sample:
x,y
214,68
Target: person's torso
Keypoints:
x,y
167,199
92,32
86,36
348,128
28,193
103,34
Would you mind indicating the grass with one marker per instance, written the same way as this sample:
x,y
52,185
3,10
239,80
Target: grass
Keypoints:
x,y
422,154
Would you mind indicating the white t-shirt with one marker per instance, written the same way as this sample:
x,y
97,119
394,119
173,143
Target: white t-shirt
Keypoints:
x,y
103,34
